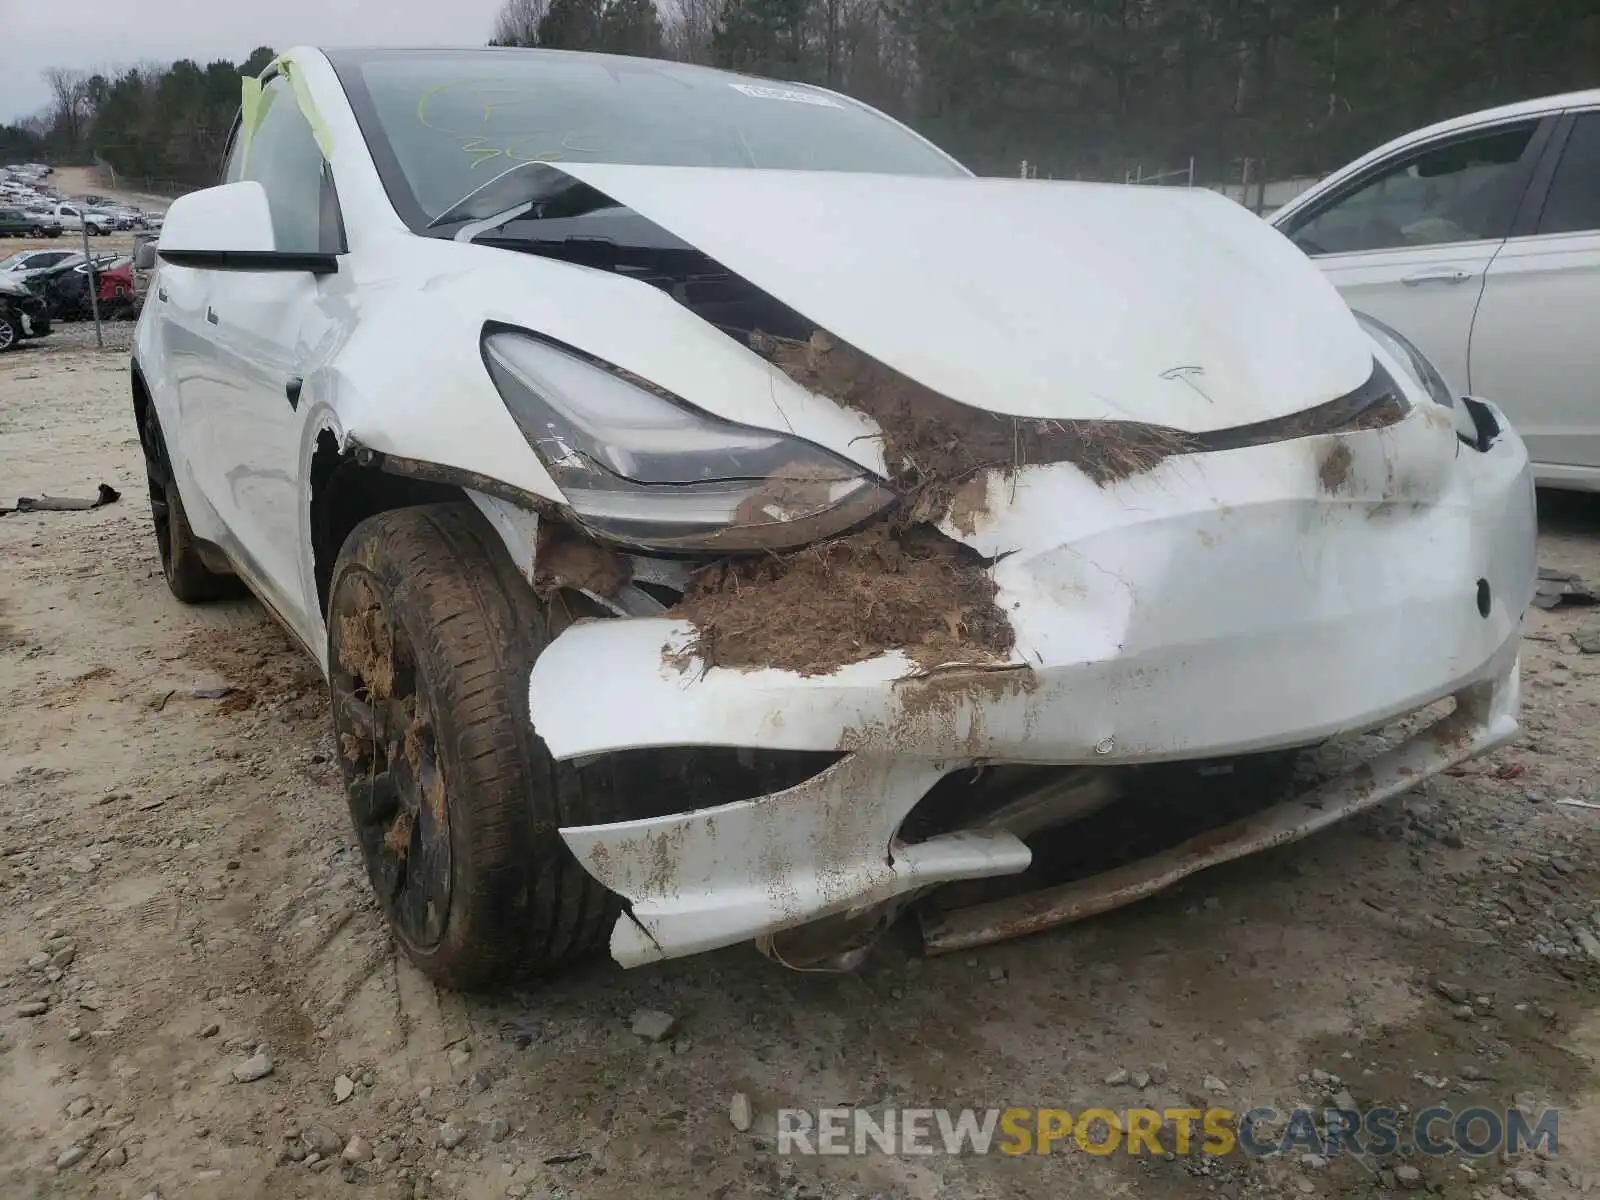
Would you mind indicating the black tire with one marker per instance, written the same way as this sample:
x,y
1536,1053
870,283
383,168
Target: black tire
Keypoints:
x,y
456,802
187,575
10,332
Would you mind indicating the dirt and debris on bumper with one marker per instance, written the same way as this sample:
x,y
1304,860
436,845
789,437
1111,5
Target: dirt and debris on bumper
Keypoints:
x,y
1219,604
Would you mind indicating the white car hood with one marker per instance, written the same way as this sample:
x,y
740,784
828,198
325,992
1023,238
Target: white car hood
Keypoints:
x,y
1051,300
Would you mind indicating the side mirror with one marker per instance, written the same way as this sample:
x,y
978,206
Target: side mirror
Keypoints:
x,y
229,228
144,256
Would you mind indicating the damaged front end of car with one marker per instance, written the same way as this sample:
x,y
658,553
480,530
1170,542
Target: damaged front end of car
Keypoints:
x,y
905,660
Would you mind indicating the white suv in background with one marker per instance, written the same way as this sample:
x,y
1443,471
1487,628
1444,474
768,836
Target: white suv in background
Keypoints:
x,y
1479,239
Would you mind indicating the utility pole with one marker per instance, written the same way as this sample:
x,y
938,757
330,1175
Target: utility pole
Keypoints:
x,y
94,279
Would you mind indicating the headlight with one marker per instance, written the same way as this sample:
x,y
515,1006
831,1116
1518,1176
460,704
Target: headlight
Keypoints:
x,y
639,466
1414,361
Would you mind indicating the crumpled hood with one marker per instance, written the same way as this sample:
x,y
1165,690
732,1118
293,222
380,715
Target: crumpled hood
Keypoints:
x,y
1052,300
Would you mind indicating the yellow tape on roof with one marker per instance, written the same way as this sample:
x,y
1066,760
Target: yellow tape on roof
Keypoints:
x,y
254,101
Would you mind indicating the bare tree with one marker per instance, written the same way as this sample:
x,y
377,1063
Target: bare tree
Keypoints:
x,y
518,23
687,26
69,102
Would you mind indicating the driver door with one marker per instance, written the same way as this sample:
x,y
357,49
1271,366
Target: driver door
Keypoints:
x,y
1410,240
267,332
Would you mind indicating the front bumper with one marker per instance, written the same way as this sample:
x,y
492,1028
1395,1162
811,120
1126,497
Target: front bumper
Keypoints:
x,y
1246,600
35,317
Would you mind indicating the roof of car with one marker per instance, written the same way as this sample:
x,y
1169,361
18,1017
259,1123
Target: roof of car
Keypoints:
x,y
1538,107
1522,108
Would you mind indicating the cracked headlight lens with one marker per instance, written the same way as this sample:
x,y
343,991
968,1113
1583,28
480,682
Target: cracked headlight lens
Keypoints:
x,y
639,466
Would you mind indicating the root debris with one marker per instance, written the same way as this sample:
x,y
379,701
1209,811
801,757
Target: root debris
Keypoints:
x,y
365,650
567,559
933,444
902,584
398,836
355,749
847,600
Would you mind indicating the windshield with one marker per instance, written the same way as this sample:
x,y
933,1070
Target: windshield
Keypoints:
x,y
441,124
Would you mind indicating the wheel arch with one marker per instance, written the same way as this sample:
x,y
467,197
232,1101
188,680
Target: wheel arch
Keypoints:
x,y
344,488
143,399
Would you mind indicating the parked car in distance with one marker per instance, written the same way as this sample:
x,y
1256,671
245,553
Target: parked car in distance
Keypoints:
x,y
47,222
122,216
22,315
74,217
1479,239
116,287
15,222
65,288
27,261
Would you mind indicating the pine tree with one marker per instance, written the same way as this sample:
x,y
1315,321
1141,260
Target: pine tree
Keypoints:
x,y
764,37
571,25
631,27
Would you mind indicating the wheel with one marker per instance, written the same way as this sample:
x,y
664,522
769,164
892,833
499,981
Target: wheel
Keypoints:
x,y
187,574
10,332
38,231
456,802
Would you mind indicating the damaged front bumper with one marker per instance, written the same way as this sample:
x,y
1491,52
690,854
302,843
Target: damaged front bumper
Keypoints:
x,y
1223,604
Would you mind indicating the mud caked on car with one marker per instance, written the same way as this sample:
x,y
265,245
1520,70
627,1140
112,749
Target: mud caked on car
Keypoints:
x,y
721,517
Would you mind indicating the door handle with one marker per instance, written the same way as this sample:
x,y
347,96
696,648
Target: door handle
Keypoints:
x,y
211,314
161,294
292,390
1437,275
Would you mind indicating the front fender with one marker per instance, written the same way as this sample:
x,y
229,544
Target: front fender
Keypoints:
x,y
411,383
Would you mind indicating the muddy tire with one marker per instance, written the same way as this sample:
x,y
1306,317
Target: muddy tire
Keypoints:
x,y
456,802
187,575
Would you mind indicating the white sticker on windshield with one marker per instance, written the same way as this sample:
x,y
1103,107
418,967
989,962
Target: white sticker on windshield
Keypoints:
x,y
792,95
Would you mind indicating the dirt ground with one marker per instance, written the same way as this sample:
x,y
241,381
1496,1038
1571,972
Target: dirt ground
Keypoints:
x,y
179,887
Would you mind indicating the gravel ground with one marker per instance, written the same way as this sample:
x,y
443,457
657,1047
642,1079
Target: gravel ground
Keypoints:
x,y
198,999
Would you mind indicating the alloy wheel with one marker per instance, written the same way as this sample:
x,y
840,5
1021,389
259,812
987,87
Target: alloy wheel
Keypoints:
x,y
386,739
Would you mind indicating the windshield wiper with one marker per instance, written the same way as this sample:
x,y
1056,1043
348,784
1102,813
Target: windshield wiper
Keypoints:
x,y
531,187
524,183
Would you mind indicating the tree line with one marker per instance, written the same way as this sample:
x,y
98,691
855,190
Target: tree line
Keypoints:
x,y
1076,88
1098,88
166,122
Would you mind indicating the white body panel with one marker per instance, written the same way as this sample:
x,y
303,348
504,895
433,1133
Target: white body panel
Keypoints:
x,y
1534,347
1428,293
980,289
1235,575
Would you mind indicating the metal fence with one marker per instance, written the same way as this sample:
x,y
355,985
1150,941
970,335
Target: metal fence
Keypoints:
x,y
166,189
1252,187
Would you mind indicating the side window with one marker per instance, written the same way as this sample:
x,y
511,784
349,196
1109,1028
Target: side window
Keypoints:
x,y
1463,191
283,157
1573,205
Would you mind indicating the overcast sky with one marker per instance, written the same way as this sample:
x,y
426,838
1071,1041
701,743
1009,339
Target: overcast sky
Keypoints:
x,y
35,34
